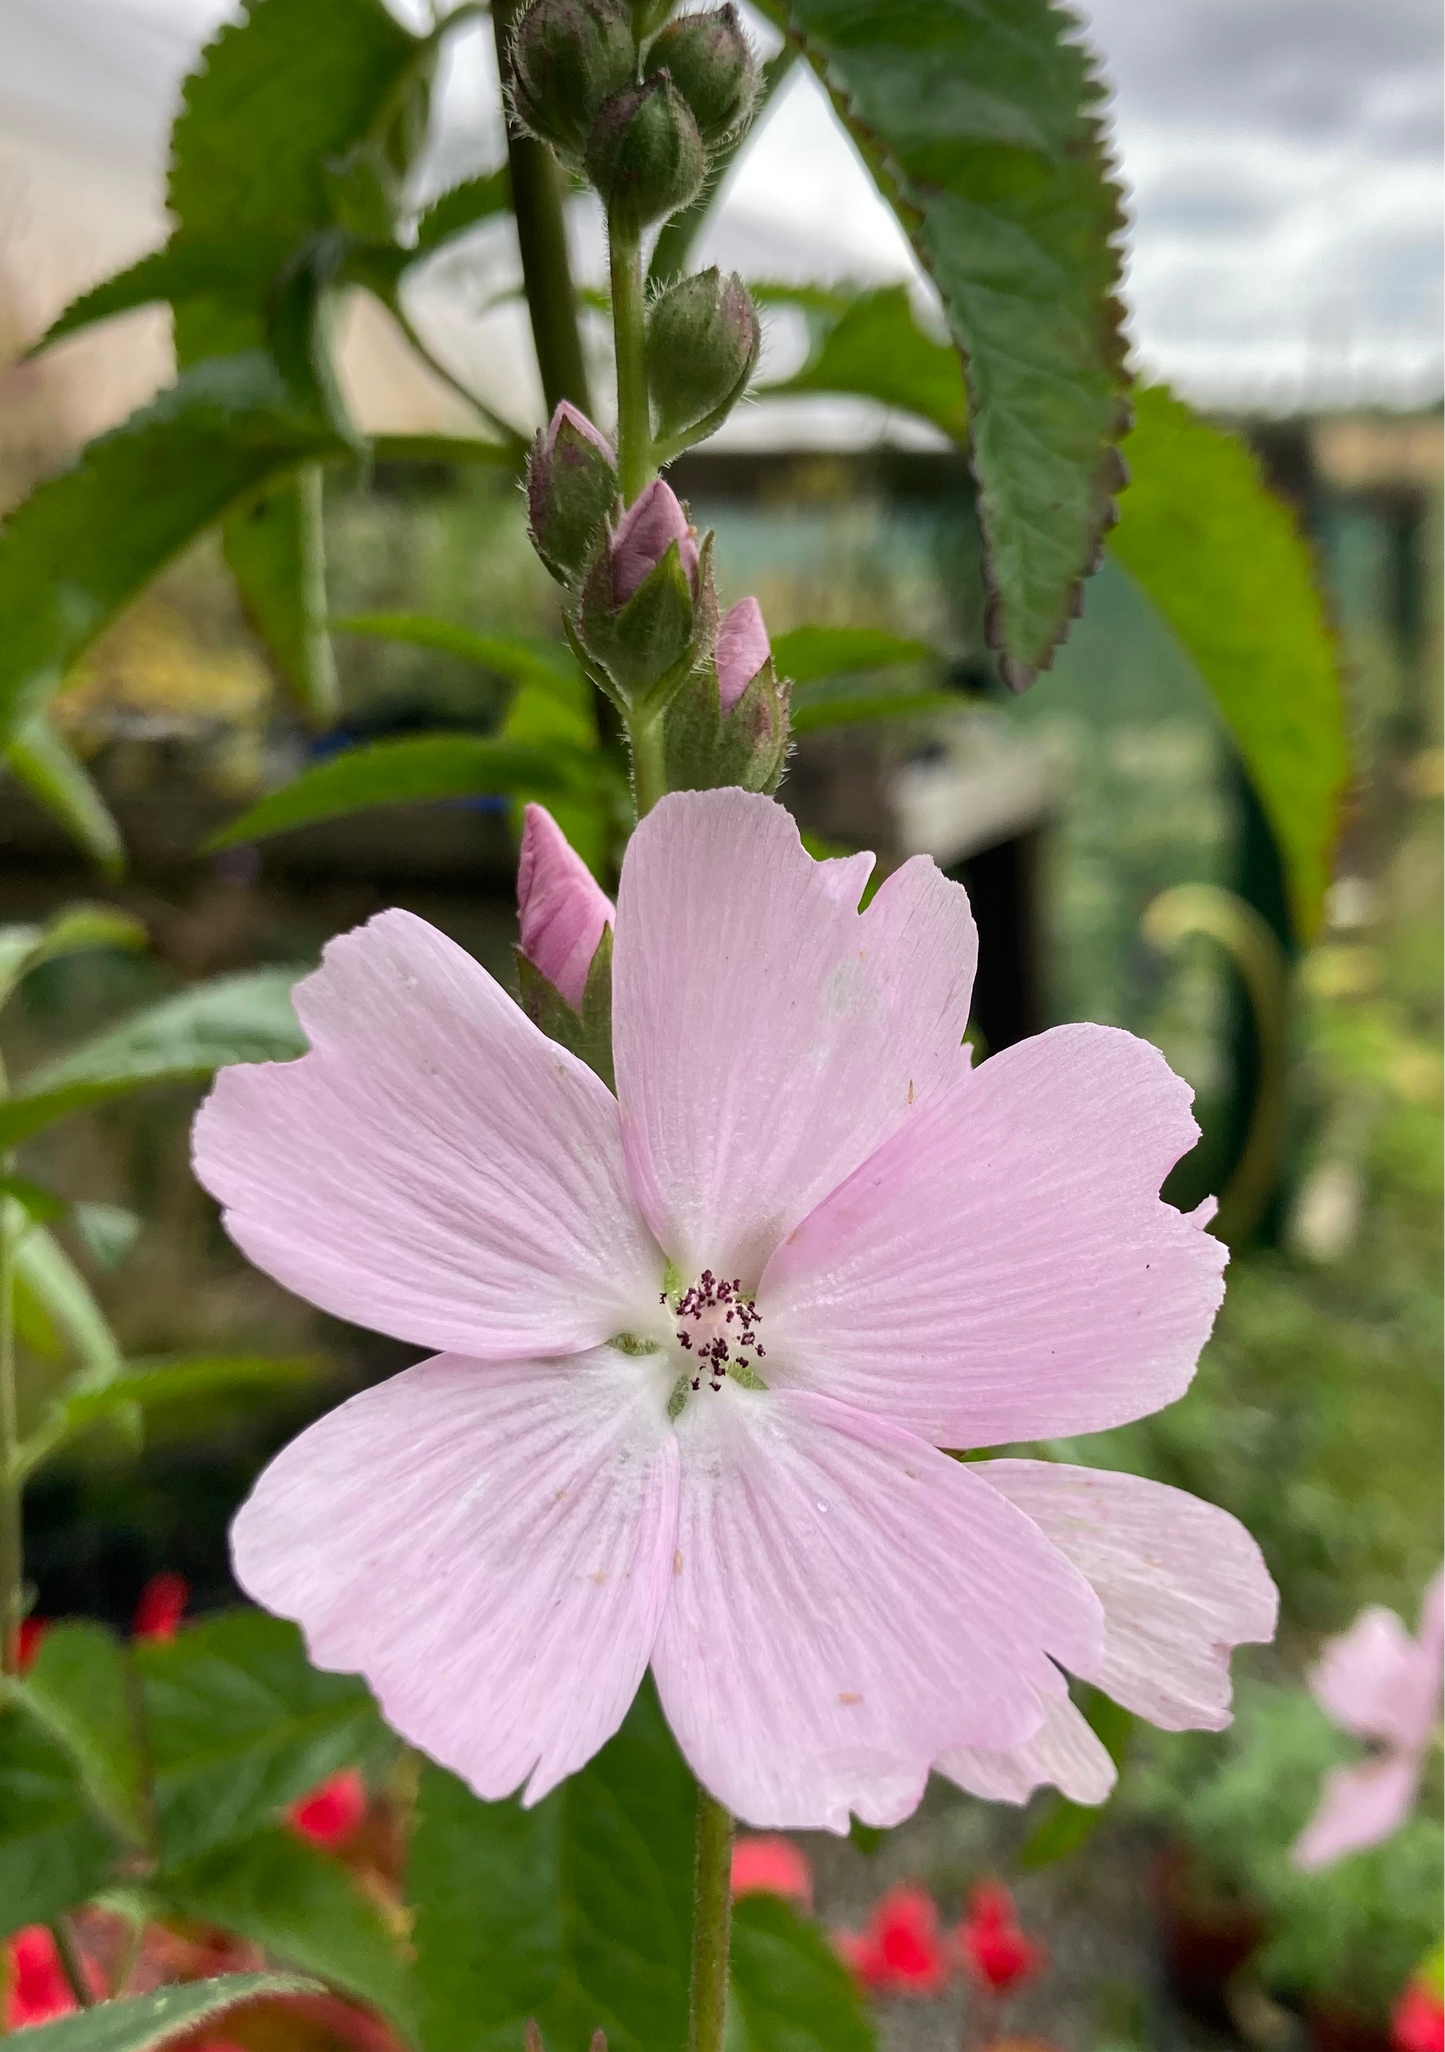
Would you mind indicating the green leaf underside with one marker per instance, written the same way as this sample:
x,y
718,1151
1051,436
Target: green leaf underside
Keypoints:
x,y
275,551
419,769
546,664
875,349
808,654
80,1688
240,1725
576,1912
144,2022
54,1849
152,1384
304,1907
61,1306
71,931
790,1992
980,123
1223,561
39,759
88,540
461,208
186,1038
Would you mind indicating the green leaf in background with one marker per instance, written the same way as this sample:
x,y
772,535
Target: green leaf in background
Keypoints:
x,y
55,1307
82,1690
407,772
577,1912
877,350
183,1039
845,701
809,653
142,2023
546,664
86,542
74,930
459,209
107,1231
275,550
165,274
142,1387
241,1725
54,1850
982,127
39,759
789,1991
305,1908
1223,561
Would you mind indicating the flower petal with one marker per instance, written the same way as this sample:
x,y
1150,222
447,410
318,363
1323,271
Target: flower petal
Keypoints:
x,y
847,1605
1003,1268
435,1167
1064,1752
767,1035
1181,1582
490,1544
1360,1806
1376,1681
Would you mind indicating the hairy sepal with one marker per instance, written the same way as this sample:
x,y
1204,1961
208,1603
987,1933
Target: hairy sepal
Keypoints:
x,y
586,1033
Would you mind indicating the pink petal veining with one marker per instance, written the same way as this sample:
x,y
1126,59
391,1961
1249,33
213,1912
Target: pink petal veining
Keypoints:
x,y
653,521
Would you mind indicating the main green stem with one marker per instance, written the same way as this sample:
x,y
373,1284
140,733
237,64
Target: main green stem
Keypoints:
x,y
12,1537
635,465
712,1912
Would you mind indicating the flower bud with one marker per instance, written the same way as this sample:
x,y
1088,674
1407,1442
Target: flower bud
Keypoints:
x,y
562,911
567,58
571,488
648,17
742,650
653,520
711,63
702,344
644,154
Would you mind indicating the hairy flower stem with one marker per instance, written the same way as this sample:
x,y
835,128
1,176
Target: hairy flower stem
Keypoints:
x,y
649,767
712,1911
635,466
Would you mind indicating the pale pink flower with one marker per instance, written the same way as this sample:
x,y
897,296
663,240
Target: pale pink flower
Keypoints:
x,y
742,649
653,521
1378,1684
561,908
699,1344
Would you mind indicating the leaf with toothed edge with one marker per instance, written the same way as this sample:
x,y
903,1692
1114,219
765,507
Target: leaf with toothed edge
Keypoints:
x,y
979,122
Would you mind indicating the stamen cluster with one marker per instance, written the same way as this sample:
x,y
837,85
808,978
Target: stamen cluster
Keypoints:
x,y
715,1304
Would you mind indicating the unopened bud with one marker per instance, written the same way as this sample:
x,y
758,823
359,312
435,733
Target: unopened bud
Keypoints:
x,y
568,58
648,17
702,343
742,650
562,911
644,154
571,487
711,62
653,521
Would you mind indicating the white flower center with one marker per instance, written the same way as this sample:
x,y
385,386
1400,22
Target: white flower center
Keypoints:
x,y
719,1327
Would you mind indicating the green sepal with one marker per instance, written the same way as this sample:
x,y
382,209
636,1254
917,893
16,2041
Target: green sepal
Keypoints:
x,y
703,339
748,745
648,645
586,1034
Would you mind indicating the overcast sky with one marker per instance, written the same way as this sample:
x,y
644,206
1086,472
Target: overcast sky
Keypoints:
x,y
1282,159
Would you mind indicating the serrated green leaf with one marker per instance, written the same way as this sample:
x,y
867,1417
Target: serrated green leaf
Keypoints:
x,y
1224,562
142,2023
546,664
577,1912
275,550
789,1991
54,1850
85,542
183,1039
981,125
305,1909
407,772
37,758
81,1688
240,1726
151,278
460,208
876,349
809,653
74,930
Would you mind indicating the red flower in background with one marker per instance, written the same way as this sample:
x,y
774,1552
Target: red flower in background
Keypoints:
x,y
35,1985
1418,2024
990,1944
768,1865
332,1814
160,1606
901,1949
32,1631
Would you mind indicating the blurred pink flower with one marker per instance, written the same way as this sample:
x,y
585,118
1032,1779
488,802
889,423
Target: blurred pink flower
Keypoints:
x,y
1417,2023
991,1945
742,649
653,521
161,1606
561,909
772,1866
901,1949
1378,1684
332,1814
699,1345
35,1984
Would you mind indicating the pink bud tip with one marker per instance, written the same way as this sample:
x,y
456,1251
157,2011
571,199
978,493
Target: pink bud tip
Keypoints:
x,y
742,649
567,412
652,522
561,908
160,1606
